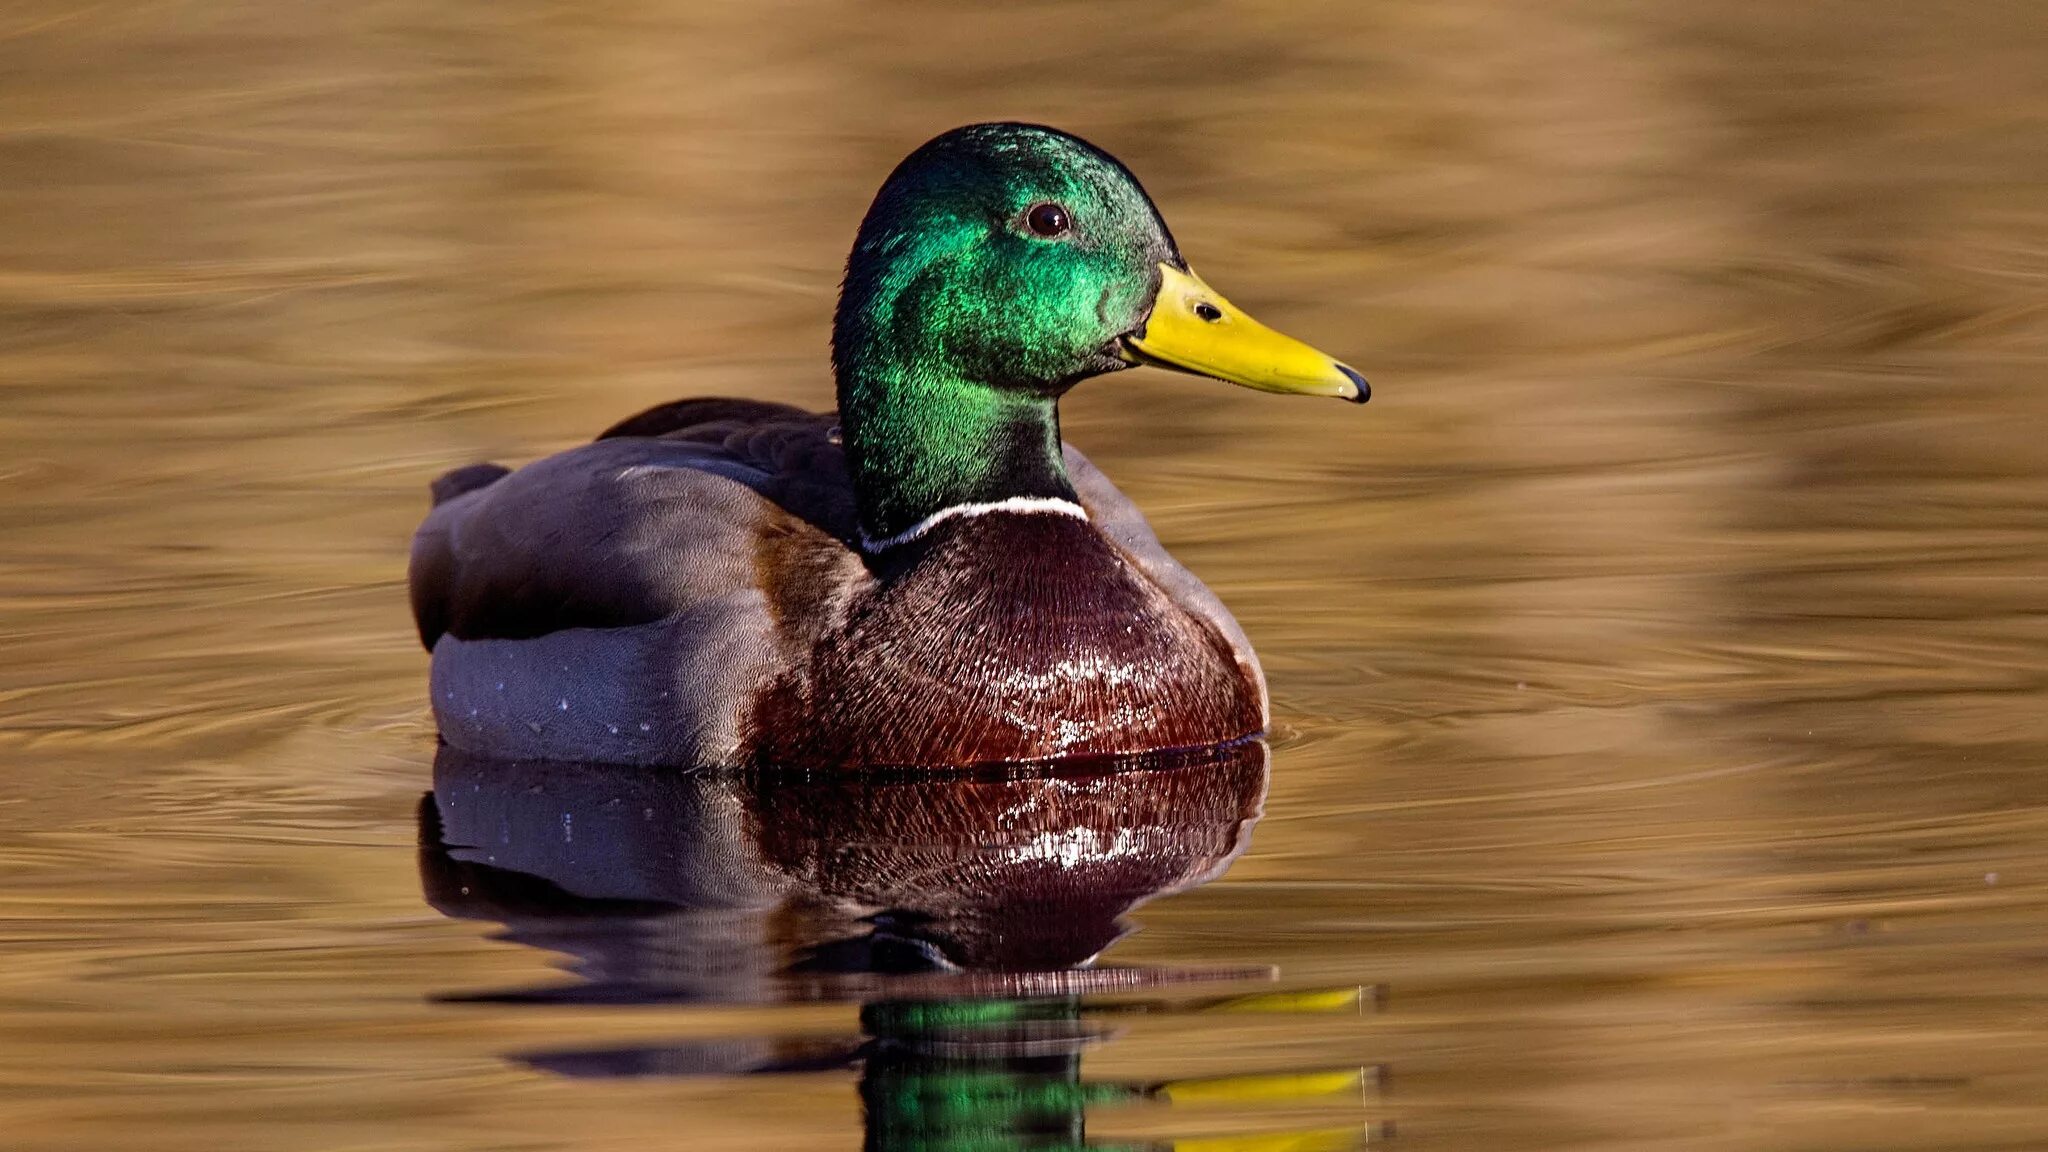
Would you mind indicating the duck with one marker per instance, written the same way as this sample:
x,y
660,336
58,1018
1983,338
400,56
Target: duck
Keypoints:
x,y
928,577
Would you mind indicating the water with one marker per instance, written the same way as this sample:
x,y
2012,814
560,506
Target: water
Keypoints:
x,y
1658,661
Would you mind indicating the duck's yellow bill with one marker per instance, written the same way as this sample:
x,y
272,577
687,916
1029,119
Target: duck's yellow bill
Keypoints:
x,y
1194,329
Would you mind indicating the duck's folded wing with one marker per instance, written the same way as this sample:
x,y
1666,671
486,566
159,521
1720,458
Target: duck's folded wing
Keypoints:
x,y
630,530
626,600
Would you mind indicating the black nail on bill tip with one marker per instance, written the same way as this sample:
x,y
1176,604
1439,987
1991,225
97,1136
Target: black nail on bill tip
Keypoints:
x,y
1364,389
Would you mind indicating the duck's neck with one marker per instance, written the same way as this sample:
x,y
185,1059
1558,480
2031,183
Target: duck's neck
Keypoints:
x,y
924,448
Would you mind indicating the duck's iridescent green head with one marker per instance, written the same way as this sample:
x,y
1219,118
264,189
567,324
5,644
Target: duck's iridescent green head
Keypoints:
x,y
1004,254
999,265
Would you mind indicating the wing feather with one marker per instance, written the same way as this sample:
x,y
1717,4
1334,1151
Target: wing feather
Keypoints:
x,y
634,528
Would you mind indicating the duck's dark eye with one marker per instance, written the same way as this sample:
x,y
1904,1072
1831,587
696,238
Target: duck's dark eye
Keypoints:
x,y
1048,219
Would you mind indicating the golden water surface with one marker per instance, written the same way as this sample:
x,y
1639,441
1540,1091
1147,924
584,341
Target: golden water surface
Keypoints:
x,y
1660,661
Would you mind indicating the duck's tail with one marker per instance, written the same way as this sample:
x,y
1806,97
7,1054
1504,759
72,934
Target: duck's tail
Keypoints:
x,y
468,478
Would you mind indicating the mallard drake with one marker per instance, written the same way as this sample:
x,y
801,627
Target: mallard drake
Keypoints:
x,y
928,577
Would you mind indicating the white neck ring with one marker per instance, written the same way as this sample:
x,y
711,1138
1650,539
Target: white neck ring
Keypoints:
x,y
1020,505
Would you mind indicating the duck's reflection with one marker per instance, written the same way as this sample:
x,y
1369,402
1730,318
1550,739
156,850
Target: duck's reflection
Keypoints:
x,y
965,913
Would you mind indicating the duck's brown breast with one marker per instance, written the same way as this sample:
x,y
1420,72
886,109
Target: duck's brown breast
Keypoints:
x,y
1006,637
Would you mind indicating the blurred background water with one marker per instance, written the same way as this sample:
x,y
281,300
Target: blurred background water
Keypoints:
x,y
1658,661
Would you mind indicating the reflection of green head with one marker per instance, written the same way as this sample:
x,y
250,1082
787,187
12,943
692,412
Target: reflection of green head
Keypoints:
x,y
1005,1076
998,265
992,1075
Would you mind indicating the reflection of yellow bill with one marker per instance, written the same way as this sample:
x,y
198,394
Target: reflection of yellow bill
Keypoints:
x,y
1266,1088
1193,328
1351,998
1312,1140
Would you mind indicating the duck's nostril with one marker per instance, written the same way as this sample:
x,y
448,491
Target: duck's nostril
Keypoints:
x,y
1208,311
